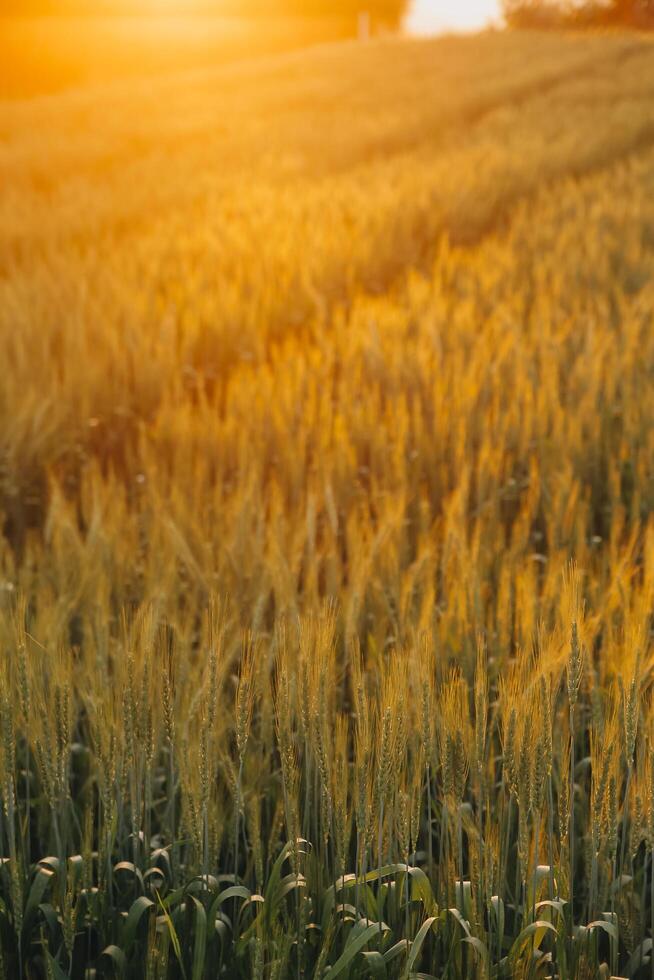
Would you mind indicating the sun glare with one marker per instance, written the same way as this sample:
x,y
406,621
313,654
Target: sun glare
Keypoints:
x,y
431,16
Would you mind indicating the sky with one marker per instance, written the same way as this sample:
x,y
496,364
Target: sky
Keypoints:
x,y
428,16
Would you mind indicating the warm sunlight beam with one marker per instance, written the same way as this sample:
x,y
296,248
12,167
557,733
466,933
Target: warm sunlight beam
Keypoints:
x,y
431,16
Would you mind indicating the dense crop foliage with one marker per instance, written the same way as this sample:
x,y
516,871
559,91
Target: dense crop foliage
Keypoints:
x,y
327,559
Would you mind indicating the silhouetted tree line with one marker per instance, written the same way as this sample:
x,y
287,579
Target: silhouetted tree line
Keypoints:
x,y
577,13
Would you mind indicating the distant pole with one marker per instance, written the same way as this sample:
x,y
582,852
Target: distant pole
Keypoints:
x,y
364,26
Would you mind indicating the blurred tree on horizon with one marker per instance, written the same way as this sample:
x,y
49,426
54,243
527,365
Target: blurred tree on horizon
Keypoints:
x,y
545,14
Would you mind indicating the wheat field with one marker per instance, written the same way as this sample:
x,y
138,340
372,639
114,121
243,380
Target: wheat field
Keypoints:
x,y
326,495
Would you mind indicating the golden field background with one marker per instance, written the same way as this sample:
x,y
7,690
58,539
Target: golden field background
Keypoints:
x,y
290,320
42,55
354,343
